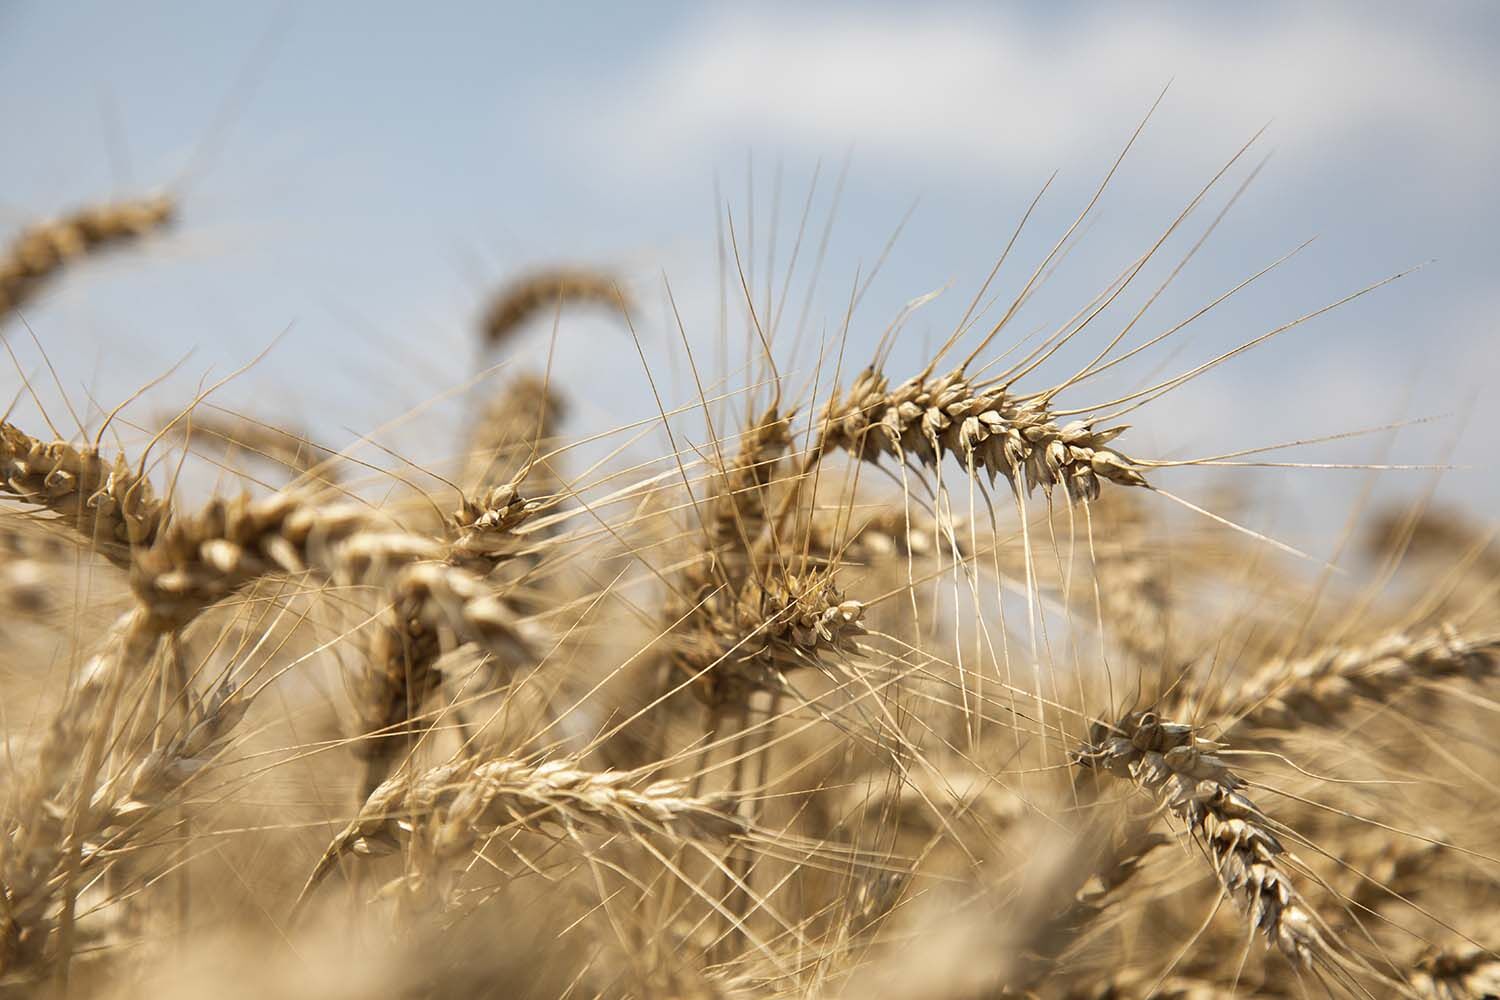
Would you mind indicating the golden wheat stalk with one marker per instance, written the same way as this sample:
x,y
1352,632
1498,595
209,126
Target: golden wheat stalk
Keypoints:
x,y
532,294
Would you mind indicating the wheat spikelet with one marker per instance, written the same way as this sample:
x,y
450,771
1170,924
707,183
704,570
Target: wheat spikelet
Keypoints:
x,y
405,649
1435,534
875,537
521,417
276,444
29,570
1132,587
737,510
736,643
48,818
205,557
197,561
1380,872
483,530
1464,974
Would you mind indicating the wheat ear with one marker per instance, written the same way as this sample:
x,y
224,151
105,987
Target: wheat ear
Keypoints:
x,y
41,250
927,418
1321,688
457,804
104,501
1181,771
532,294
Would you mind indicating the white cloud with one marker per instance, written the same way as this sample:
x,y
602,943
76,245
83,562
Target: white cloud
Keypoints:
x,y
986,93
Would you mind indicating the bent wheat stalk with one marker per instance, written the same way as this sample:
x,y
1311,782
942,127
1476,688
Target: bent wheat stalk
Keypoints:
x,y
538,291
41,250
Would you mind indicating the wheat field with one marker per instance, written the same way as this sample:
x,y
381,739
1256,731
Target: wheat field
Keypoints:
x,y
829,680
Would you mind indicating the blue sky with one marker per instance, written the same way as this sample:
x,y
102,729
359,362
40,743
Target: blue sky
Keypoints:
x,y
384,165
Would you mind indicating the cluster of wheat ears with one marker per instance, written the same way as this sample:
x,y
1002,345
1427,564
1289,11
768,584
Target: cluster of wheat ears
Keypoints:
x,y
861,683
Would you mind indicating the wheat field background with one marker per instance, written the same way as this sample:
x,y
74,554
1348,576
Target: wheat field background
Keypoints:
x,y
679,502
